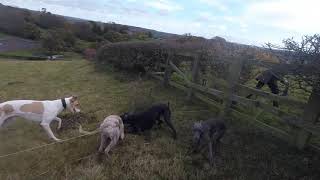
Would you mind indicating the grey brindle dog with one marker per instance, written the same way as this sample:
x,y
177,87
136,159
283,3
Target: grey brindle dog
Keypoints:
x,y
209,133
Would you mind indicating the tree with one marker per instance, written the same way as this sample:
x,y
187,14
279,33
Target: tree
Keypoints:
x,y
52,41
31,31
84,31
96,28
303,59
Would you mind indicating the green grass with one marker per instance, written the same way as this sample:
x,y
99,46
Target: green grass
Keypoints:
x,y
2,35
26,53
245,154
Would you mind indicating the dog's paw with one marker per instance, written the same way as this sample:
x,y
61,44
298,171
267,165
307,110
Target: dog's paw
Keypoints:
x,y
58,140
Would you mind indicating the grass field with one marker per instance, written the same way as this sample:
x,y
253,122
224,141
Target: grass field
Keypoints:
x,y
245,154
2,35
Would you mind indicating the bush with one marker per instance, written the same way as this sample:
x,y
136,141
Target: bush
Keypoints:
x,y
52,41
114,36
135,56
146,55
90,53
31,31
84,31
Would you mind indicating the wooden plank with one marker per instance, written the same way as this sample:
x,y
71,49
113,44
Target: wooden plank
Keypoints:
x,y
175,68
158,73
258,104
233,78
208,100
167,73
314,147
310,116
265,127
185,89
195,76
282,99
205,89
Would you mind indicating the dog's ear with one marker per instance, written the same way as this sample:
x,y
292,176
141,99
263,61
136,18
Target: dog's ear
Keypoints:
x,y
197,126
74,98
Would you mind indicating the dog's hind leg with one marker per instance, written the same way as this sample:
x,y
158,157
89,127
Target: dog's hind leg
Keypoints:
x,y
112,143
4,119
103,142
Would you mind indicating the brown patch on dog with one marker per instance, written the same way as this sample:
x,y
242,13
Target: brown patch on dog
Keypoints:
x,y
35,107
7,109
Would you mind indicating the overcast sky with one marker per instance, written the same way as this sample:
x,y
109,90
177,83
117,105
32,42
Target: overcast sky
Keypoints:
x,y
244,21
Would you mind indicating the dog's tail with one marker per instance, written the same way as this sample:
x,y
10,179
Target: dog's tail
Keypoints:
x,y
168,104
81,131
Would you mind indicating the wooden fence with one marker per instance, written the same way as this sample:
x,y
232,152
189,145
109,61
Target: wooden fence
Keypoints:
x,y
301,127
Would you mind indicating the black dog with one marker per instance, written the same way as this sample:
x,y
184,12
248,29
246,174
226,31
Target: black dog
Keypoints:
x,y
145,120
208,133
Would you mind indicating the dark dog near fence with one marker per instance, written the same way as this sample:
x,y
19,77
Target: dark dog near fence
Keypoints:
x,y
145,120
208,133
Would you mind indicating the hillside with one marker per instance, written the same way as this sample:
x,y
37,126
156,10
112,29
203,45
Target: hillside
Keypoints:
x,y
6,11
246,153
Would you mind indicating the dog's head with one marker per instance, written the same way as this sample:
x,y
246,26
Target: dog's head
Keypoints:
x,y
125,117
74,105
197,131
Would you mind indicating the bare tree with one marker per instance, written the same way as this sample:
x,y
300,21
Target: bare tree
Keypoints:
x,y
302,60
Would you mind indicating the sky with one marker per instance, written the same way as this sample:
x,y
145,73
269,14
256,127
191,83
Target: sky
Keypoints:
x,y
254,22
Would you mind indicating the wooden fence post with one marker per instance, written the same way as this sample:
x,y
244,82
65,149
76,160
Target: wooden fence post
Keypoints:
x,y
310,116
167,72
195,76
233,78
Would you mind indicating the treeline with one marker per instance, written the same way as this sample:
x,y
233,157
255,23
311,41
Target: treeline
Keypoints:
x,y
58,33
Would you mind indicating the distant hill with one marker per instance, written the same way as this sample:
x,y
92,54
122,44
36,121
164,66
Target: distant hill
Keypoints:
x,y
21,13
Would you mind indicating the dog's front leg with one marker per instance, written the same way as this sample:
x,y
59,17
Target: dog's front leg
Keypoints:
x,y
47,128
59,121
210,152
121,130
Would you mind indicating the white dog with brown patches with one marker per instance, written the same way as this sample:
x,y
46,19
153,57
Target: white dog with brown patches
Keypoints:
x,y
43,112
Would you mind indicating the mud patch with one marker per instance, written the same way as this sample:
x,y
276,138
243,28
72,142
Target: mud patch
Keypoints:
x,y
71,121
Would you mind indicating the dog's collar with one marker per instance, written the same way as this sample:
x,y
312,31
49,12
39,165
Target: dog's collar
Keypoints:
x,y
64,104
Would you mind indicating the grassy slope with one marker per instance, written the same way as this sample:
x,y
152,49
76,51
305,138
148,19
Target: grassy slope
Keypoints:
x,y
246,154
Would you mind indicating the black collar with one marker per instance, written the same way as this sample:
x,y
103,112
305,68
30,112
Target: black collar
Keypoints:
x,y
64,104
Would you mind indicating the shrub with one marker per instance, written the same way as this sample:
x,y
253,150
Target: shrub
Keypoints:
x,y
84,31
52,41
90,53
31,31
114,36
146,55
